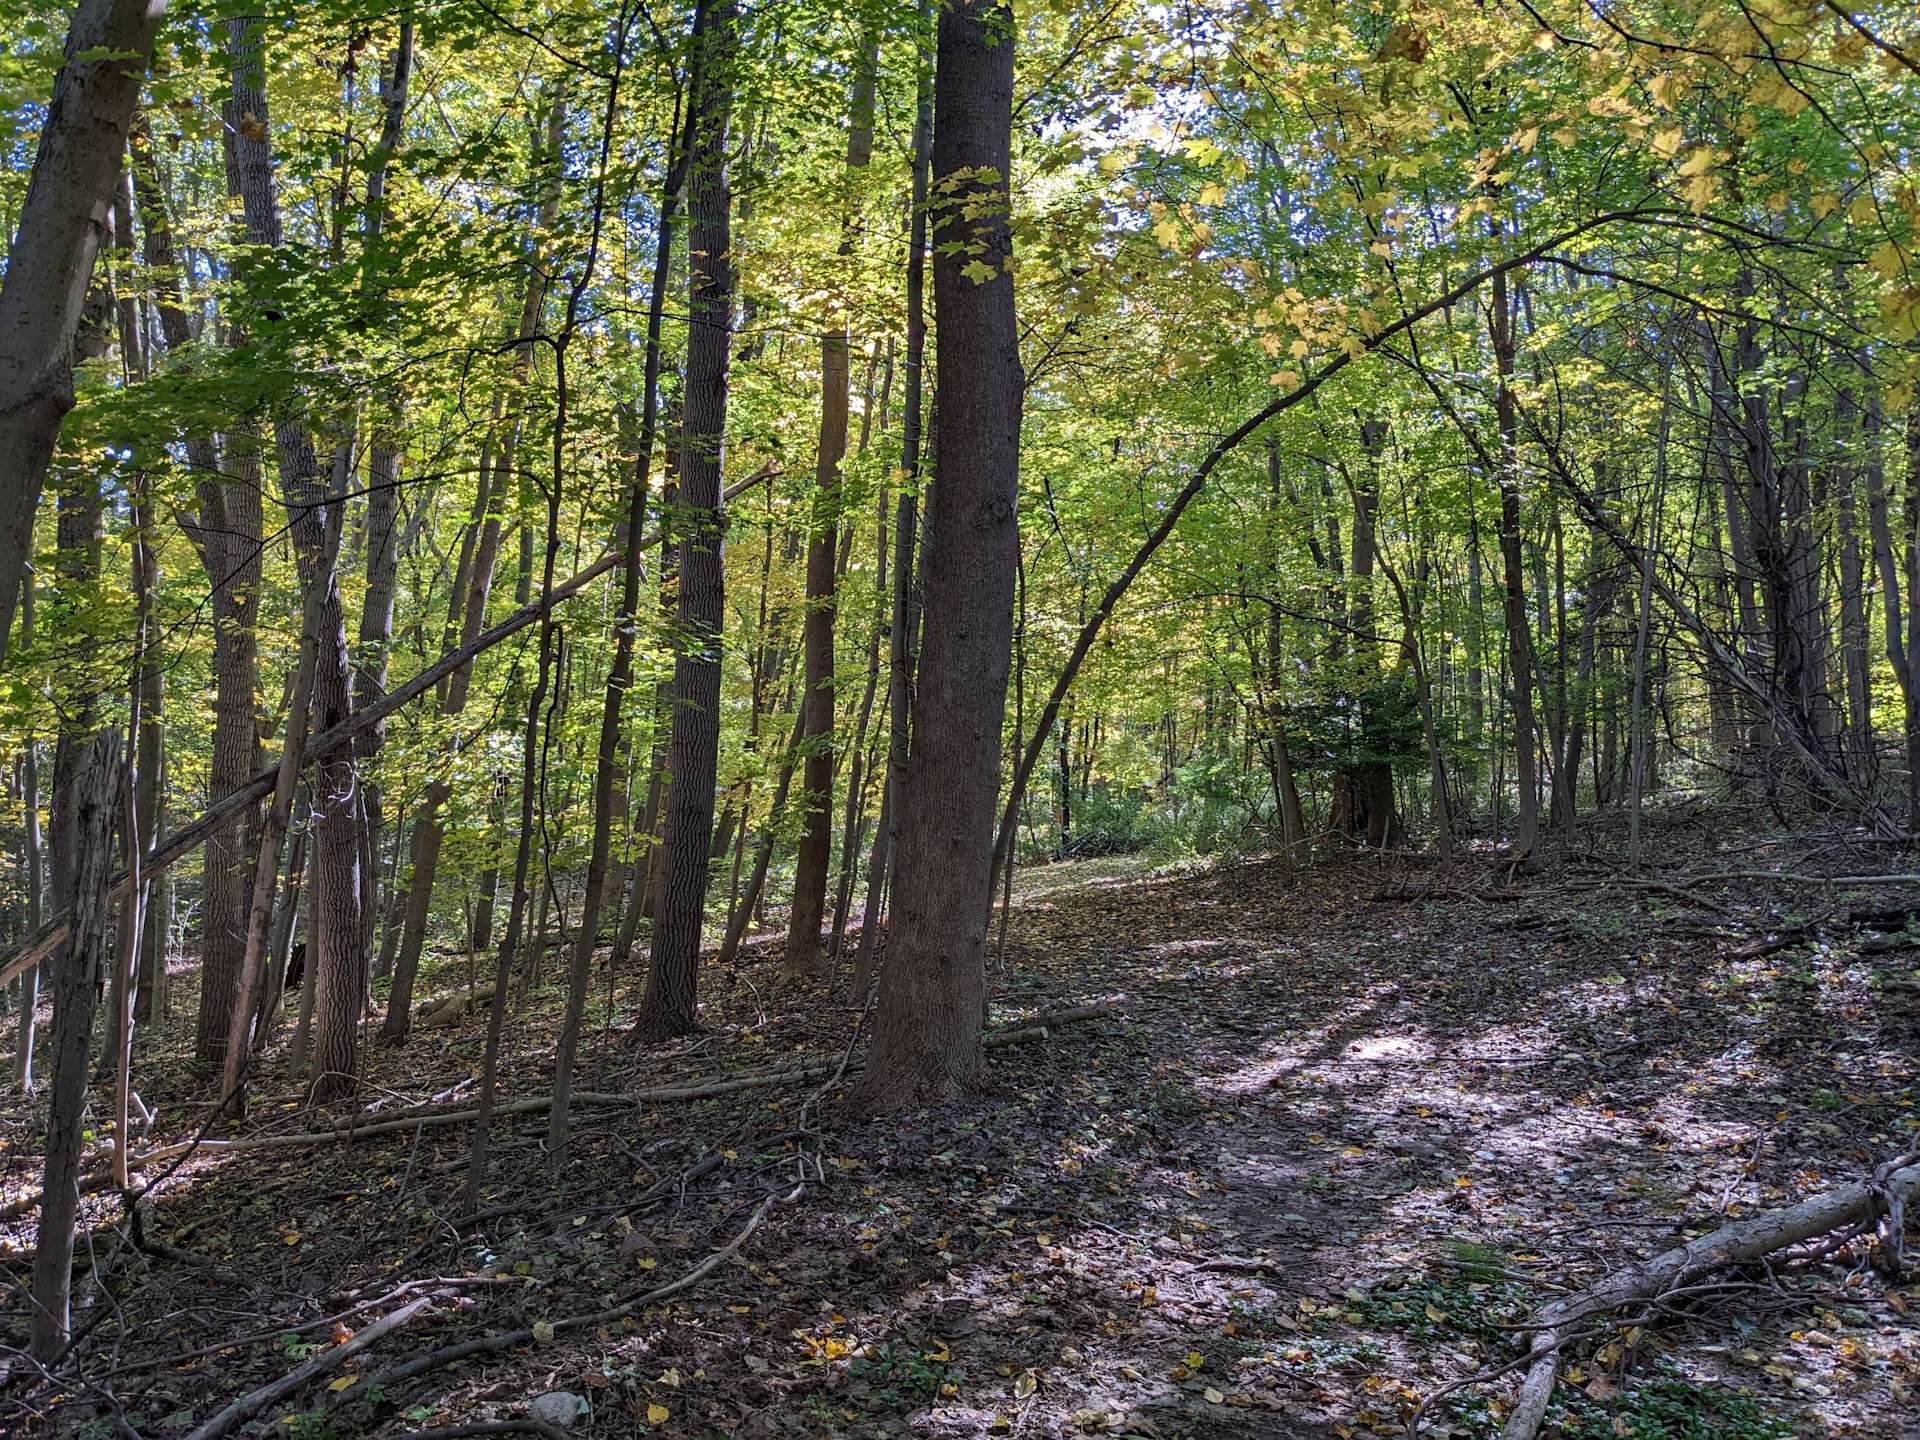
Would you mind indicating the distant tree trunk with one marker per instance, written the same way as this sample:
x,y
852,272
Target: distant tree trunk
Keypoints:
x,y
62,222
1513,568
803,956
96,787
30,798
339,948
1856,665
470,605
226,532
693,748
1286,789
926,1040
383,500
740,915
1363,803
902,622
1900,606
620,673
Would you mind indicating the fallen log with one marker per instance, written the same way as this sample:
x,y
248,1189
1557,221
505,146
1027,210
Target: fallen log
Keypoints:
x,y
1853,1206
427,1116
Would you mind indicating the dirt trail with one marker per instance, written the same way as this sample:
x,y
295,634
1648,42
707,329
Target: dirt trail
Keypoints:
x,y
1330,1146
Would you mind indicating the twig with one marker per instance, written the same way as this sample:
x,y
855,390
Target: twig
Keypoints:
x,y
255,1401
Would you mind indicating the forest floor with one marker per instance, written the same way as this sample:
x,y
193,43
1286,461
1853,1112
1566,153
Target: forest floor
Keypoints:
x,y
1340,1133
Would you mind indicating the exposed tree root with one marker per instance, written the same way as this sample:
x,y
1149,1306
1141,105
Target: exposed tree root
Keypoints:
x,y
1854,1207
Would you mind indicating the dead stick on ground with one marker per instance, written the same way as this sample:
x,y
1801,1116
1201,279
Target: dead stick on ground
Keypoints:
x,y
255,1401
489,1344
1036,1028
1742,1242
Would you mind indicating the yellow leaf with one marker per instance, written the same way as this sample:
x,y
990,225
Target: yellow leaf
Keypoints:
x,y
1669,142
1212,193
343,1382
940,1352
292,1237
658,1414
1025,1385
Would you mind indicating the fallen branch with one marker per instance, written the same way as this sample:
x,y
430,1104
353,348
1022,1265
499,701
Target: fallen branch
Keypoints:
x,y
1739,1243
427,1117
508,1340
333,1358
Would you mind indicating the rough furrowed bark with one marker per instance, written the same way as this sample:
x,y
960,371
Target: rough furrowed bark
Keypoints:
x,y
932,997
668,1007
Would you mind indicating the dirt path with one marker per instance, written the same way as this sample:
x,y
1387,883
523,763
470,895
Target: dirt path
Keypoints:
x,y
1330,1145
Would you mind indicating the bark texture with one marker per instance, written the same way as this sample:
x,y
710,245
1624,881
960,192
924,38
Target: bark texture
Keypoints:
x,y
62,223
926,1044
694,741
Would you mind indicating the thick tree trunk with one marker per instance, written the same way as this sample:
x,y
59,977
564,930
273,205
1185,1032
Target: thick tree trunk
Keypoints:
x,y
926,1044
62,222
693,747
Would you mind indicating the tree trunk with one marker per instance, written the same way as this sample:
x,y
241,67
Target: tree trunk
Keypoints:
x,y
620,673
693,747
383,498
803,956
926,1043
902,625
470,604
226,532
96,790
62,222
339,939
1513,573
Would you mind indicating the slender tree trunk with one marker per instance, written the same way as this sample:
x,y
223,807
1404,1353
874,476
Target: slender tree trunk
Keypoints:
x,y
226,532
428,827
62,223
803,956
339,948
383,499
903,622
632,540
97,788
30,785
668,1007
926,1040
1513,573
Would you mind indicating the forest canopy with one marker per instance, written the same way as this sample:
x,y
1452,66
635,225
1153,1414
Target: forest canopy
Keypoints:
x,y
510,503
